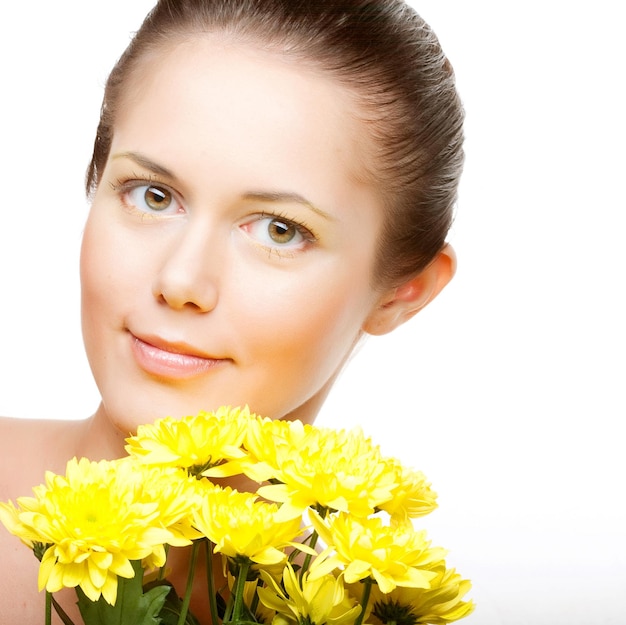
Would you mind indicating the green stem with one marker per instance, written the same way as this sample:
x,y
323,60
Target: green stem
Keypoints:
x,y
242,574
48,608
228,612
187,598
312,540
307,559
208,548
367,589
60,612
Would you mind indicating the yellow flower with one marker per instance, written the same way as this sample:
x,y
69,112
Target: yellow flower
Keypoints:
x,y
440,604
412,496
178,494
94,523
241,526
307,601
269,441
197,443
390,555
318,467
10,518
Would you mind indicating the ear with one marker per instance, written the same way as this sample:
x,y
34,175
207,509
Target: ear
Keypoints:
x,y
400,304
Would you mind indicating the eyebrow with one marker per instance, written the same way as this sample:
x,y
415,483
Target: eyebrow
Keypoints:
x,y
285,196
253,196
146,163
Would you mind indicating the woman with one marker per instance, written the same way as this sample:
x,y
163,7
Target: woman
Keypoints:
x,y
270,181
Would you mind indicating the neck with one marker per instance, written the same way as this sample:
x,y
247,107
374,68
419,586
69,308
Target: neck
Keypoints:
x,y
100,439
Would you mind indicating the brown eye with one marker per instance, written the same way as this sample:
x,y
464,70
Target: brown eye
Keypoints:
x,y
281,231
157,199
278,233
146,198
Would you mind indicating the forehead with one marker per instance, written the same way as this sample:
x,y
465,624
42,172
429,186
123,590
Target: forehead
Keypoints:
x,y
253,108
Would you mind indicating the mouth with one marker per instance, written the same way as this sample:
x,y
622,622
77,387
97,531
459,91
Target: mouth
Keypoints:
x,y
175,361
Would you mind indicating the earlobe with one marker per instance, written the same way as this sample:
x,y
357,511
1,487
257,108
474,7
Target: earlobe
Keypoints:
x,y
401,303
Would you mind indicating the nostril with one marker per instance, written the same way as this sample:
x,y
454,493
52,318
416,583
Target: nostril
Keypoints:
x,y
192,299
186,280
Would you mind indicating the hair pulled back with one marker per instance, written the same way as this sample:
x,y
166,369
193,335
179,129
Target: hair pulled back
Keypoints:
x,y
381,50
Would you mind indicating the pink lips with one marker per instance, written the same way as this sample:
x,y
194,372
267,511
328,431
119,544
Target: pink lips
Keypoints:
x,y
169,361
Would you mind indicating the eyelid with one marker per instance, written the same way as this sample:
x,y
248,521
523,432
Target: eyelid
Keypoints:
x,y
138,180
304,229
123,186
308,236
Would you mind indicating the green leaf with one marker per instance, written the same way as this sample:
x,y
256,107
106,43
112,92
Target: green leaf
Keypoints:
x,y
170,612
61,612
132,607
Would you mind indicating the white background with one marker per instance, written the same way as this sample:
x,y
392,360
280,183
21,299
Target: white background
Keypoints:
x,y
508,391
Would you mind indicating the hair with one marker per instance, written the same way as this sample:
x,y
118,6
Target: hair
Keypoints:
x,y
381,50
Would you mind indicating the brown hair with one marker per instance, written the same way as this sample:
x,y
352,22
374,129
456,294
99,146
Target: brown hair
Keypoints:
x,y
380,49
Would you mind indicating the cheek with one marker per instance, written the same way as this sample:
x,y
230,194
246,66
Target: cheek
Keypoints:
x,y
309,326
95,280
91,274
96,270
107,267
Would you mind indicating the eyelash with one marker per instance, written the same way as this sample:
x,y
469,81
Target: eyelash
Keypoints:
x,y
124,186
301,226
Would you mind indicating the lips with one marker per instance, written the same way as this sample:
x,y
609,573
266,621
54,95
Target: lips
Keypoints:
x,y
171,360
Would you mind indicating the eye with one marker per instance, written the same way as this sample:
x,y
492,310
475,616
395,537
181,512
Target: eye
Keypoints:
x,y
151,198
278,232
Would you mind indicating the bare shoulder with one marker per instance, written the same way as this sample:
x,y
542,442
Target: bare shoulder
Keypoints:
x,y
28,448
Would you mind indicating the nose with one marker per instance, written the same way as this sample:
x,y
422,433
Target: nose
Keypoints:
x,y
188,277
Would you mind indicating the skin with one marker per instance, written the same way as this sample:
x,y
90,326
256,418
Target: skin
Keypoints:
x,y
198,289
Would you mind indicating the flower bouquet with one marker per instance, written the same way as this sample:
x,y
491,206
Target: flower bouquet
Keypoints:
x,y
327,537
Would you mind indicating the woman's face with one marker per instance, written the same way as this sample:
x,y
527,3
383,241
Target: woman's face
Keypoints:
x,y
228,254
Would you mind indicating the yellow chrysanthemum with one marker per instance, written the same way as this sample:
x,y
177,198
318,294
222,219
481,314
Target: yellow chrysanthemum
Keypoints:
x,y
197,443
94,522
269,441
178,494
241,526
10,518
391,555
307,601
412,495
318,467
440,604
